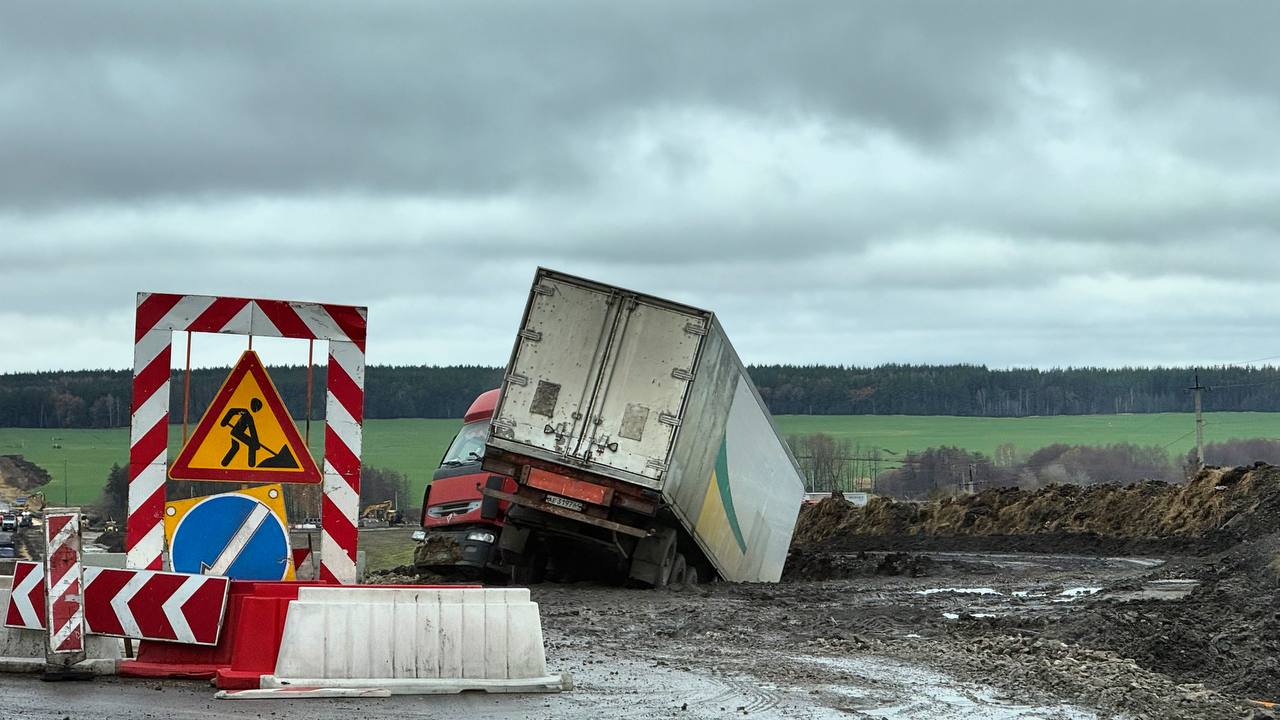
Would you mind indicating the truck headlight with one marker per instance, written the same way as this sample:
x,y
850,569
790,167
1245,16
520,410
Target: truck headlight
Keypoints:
x,y
419,535
484,537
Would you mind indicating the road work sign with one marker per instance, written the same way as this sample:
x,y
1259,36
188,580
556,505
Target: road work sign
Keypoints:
x,y
246,435
241,535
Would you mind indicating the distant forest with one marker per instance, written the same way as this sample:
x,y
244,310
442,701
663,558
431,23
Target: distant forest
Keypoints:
x,y
100,398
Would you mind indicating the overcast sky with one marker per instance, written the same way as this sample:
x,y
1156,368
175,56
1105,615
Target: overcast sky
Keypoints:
x,y
1008,184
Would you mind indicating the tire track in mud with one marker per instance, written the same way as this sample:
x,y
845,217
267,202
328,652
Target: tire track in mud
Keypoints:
x,y
758,697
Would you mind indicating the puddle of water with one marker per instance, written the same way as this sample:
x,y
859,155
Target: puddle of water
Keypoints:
x,y
962,591
1175,589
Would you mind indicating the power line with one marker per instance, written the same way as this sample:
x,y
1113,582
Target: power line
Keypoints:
x,y
1179,438
1235,385
1250,362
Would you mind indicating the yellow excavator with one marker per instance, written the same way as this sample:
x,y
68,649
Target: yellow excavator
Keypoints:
x,y
384,511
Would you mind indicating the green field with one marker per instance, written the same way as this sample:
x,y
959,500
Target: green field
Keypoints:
x,y
415,447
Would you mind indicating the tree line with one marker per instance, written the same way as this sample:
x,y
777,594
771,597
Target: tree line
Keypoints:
x,y
100,398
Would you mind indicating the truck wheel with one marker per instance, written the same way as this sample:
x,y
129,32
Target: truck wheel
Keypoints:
x,y
691,576
679,570
529,570
654,557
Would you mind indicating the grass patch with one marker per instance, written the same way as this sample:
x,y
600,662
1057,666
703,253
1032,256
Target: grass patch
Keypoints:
x,y
415,446
386,548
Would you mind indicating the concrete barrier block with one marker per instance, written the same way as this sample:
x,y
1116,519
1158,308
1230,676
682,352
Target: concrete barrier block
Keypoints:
x,y
24,650
414,640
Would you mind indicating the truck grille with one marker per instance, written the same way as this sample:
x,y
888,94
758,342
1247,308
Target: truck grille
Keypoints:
x,y
461,507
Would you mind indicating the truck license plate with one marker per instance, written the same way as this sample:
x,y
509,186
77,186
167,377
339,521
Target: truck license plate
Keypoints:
x,y
564,503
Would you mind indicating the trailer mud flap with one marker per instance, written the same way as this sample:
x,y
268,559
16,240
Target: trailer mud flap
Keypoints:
x,y
654,558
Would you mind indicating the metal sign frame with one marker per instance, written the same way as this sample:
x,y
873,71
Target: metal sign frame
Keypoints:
x,y
157,317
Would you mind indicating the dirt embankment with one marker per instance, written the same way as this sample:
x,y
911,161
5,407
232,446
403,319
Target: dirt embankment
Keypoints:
x,y
1215,510
18,473
1220,531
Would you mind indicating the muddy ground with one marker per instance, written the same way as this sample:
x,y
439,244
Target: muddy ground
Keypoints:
x,y
938,635
1005,605
1146,601
969,635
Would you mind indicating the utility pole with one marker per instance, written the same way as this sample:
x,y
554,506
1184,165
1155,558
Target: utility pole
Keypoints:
x,y
1197,389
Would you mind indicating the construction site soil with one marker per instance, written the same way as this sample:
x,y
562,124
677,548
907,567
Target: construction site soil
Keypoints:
x,y
17,476
1144,601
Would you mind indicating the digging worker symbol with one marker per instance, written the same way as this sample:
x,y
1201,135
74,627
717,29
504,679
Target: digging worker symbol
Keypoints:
x,y
244,430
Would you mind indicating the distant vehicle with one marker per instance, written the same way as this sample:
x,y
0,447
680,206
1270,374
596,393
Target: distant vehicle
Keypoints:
x,y
9,523
6,539
859,499
461,527
8,551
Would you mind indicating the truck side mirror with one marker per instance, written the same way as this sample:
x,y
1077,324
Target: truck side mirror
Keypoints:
x,y
489,505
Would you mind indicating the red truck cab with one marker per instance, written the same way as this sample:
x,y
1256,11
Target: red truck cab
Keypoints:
x,y
460,526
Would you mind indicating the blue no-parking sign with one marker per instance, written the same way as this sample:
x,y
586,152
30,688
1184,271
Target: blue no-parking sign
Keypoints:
x,y
232,535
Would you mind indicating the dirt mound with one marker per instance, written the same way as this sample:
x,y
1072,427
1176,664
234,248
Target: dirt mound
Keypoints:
x,y
16,472
819,521
1215,510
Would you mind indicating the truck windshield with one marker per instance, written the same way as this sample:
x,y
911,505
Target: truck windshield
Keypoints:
x,y
468,446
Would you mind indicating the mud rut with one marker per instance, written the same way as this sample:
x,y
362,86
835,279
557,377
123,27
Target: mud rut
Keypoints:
x,y
981,635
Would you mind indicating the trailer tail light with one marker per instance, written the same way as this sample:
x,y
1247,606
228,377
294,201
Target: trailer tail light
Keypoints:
x,y
567,486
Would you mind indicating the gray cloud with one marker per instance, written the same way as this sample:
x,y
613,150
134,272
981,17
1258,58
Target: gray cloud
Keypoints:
x,y
1007,183
491,97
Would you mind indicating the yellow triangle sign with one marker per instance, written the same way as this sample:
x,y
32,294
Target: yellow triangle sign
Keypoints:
x,y
246,435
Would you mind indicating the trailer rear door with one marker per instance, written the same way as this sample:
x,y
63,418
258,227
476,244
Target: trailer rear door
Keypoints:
x,y
555,365
598,378
642,391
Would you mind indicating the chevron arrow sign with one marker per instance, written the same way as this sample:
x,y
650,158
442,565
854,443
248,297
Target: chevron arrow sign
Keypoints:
x,y
26,601
139,604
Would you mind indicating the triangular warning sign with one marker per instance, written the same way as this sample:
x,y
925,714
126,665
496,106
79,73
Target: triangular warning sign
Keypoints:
x,y
246,435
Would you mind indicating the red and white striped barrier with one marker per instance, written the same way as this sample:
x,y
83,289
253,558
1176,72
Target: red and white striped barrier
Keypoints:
x,y
158,316
303,564
65,615
137,604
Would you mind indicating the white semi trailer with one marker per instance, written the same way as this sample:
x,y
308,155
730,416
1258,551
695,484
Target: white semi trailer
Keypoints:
x,y
640,446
